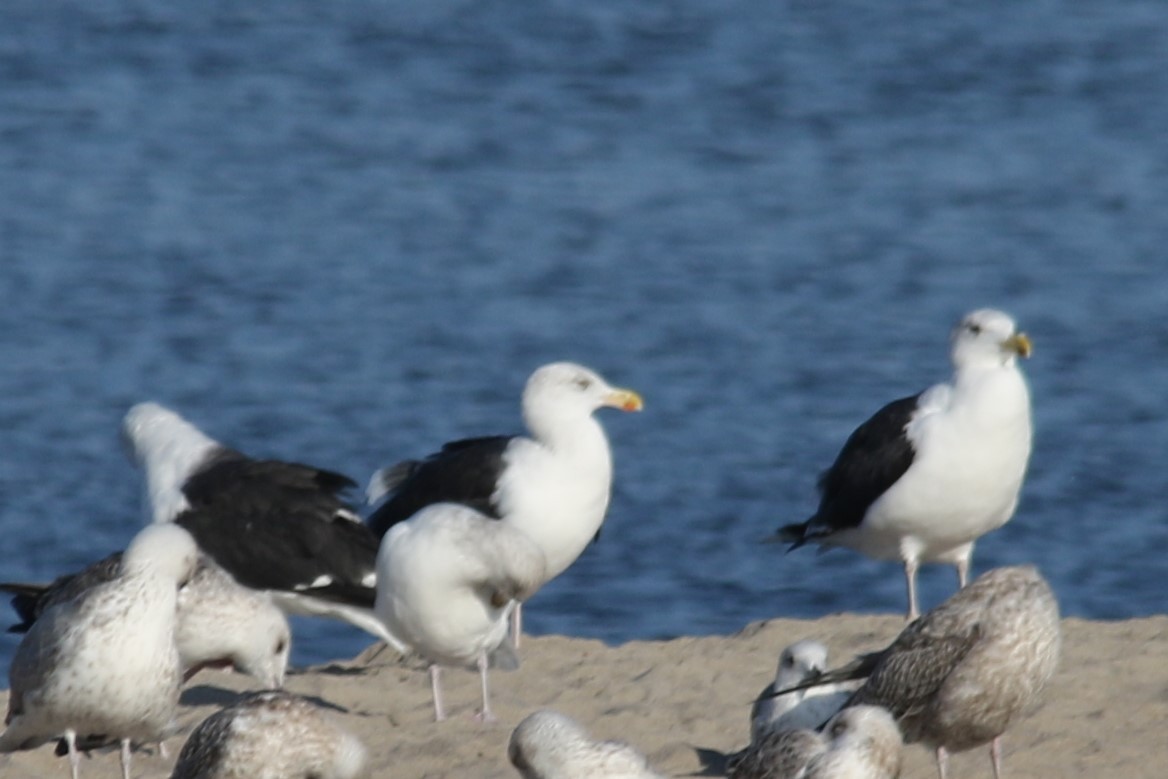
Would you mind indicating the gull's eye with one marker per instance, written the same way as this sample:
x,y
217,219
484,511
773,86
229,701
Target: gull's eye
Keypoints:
x,y
584,383
974,328
281,645
787,661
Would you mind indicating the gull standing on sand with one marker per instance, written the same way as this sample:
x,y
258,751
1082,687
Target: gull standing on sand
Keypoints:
x,y
220,624
446,580
959,676
928,475
554,485
551,745
273,525
106,661
802,661
271,735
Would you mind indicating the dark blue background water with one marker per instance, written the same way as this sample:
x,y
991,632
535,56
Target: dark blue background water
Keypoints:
x,y
346,233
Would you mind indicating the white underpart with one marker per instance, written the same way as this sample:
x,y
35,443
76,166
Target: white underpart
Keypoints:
x,y
106,662
557,484
972,439
169,449
551,745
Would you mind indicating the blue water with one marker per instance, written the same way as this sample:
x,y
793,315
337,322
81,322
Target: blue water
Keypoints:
x,y
345,233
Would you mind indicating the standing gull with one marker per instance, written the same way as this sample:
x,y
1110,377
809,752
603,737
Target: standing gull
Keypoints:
x,y
929,474
271,735
446,580
554,485
106,661
220,624
273,525
802,661
551,745
959,676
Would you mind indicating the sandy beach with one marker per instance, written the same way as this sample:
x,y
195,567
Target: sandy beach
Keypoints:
x,y
686,702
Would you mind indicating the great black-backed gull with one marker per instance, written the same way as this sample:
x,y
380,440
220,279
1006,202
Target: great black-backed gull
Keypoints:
x,y
551,745
446,580
273,525
554,485
808,708
221,624
958,677
271,734
106,661
928,475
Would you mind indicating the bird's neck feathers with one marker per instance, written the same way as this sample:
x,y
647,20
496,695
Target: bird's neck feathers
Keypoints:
x,y
570,432
170,458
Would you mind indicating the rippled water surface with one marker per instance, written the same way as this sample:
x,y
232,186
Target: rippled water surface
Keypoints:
x,y
346,233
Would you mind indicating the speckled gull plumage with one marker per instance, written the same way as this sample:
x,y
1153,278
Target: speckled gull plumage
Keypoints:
x,y
106,661
551,745
271,735
961,675
927,475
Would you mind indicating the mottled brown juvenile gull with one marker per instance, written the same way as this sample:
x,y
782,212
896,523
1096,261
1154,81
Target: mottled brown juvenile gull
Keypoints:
x,y
802,661
106,661
446,580
928,475
777,754
271,735
959,676
221,624
551,745
554,485
863,742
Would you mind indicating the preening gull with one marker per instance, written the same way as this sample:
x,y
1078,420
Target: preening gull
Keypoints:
x,y
273,525
554,485
807,708
220,624
271,735
446,580
861,742
106,661
959,676
928,475
551,745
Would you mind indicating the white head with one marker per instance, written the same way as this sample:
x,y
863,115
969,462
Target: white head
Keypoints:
x,y
550,745
801,661
987,338
564,391
165,550
866,734
264,647
169,449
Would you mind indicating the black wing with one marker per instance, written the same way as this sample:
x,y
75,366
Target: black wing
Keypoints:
x,y
268,486
465,471
29,601
874,457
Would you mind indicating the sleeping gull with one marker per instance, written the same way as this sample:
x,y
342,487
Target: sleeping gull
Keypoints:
x,y
273,525
777,754
446,580
959,676
807,708
928,475
551,745
221,624
271,735
863,742
554,485
105,662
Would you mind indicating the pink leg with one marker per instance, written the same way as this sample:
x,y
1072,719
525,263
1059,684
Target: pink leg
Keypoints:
x,y
996,756
516,624
942,762
125,758
436,690
485,715
910,577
